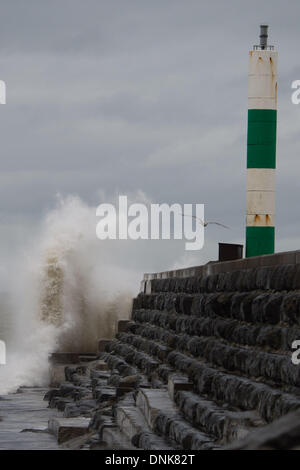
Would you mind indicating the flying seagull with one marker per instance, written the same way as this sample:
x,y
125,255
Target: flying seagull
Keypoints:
x,y
205,224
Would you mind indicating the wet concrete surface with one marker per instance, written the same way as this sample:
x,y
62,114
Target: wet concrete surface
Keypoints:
x,y
24,421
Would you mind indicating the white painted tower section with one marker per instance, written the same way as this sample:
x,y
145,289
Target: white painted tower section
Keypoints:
x,y
261,149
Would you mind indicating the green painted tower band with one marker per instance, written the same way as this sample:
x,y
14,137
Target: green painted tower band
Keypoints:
x,y
261,149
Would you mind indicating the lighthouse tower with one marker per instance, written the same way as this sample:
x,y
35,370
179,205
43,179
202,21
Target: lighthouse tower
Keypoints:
x,y
261,148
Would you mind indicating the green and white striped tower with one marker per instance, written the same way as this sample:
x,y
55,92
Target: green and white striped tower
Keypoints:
x,y
261,148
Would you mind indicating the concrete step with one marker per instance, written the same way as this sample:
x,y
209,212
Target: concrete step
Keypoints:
x,y
70,357
164,419
65,429
128,360
133,423
262,337
252,307
98,365
280,272
110,436
252,362
113,438
152,401
176,383
224,423
87,357
117,363
248,361
283,434
238,391
57,374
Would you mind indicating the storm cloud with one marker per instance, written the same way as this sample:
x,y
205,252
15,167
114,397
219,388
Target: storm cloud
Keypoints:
x,y
122,96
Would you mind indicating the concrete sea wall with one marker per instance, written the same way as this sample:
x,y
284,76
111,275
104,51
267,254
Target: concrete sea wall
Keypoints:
x,y
204,362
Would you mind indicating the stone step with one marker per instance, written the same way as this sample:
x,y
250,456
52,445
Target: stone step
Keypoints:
x,y
161,372
152,401
283,434
64,358
159,350
116,362
178,383
70,357
75,372
225,424
271,402
132,423
57,374
252,307
65,429
163,418
238,391
98,365
130,355
87,357
277,368
80,408
104,394
102,343
266,337
110,436
278,277
114,439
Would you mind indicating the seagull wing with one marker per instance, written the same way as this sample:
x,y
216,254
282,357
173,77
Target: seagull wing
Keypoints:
x,y
200,220
194,217
217,223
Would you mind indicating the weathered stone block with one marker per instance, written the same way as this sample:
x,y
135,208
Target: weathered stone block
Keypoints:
x,y
178,383
123,325
102,343
65,429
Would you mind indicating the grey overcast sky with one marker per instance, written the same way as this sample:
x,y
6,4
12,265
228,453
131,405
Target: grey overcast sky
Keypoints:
x,y
139,95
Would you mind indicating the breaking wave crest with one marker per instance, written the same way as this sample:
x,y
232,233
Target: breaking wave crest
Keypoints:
x,y
69,290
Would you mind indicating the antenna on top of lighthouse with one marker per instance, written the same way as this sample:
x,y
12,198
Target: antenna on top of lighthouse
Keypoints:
x,y
263,39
